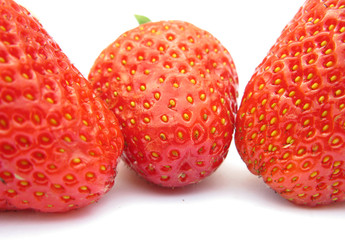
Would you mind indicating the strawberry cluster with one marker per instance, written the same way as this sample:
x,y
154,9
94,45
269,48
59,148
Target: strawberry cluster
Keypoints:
x,y
163,98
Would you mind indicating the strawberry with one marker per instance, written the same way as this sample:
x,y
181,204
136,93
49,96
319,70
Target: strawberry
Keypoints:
x,y
58,143
290,127
173,88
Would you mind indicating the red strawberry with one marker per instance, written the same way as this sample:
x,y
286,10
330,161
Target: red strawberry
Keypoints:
x,y
290,127
58,143
173,88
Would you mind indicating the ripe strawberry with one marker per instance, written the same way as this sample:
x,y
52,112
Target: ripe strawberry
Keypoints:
x,y
173,88
58,143
290,127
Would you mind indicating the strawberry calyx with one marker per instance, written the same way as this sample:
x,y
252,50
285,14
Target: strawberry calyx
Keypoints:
x,y
142,19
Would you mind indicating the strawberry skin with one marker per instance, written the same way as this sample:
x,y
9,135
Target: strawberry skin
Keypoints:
x,y
290,127
59,144
173,88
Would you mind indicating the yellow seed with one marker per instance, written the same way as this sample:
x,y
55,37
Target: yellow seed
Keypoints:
x,y
53,121
147,138
157,96
76,160
213,130
50,100
261,117
295,67
132,121
297,79
223,121
186,116
338,92
324,43
164,118
337,164
300,151
311,61
328,51
277,81
335,141
286,155
180,135
306,106
9,98
333,78
163,136
172,103
325,128
273,120
315,86
289,126
281,91
292,93
329,64
67,139
321,99
306,122
154,154
277,69
146,120
83,138
273,105
335,184
8,79
274,133
190,99
324,113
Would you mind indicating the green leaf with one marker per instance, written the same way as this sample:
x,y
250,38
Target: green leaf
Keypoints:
x,y
142,19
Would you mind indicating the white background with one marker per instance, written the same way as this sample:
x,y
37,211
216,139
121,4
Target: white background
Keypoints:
x,y
232,203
